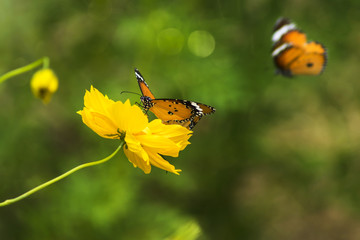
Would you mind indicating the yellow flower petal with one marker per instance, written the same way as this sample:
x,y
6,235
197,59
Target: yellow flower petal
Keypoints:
x,y
99,123
127,117
178,134
159,144
137,161
135,146
96,101
157,161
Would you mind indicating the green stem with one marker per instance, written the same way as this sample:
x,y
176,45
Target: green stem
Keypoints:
x,y
31,66
13,200
46,62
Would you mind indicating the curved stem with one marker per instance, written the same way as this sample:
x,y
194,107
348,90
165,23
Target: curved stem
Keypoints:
x,y
46,62
17,71
28,193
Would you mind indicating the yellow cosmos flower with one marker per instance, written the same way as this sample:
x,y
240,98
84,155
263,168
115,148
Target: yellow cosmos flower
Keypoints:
x,y
44,84
144,142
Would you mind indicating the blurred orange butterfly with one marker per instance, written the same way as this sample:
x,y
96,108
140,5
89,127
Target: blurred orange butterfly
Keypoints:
x,y
172,111
293,54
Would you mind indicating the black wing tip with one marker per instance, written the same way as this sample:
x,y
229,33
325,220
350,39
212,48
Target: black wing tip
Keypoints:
x,y
137,72
138,75
281,21
213,110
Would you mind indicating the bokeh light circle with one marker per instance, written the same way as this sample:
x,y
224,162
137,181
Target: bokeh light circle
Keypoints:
x,y
201,43
170,41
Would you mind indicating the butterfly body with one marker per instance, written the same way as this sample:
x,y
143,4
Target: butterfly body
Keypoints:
x,y
172,111
293,54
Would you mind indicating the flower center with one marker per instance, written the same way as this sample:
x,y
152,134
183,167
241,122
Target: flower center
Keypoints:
x,y
43,92
119,134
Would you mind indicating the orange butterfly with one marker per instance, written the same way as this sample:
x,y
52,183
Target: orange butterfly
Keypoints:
x,y
293,54
172,111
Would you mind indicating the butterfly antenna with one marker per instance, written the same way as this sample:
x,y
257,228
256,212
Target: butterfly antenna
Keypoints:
x,y
131,92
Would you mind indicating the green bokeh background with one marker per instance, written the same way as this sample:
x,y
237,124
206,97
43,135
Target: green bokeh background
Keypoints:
x,y
279,159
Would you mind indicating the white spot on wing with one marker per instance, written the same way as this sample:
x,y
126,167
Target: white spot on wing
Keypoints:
x,y
139,76
281,31
279,49
194,104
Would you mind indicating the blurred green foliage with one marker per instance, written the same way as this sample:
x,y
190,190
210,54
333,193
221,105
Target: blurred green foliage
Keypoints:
x,y
279,159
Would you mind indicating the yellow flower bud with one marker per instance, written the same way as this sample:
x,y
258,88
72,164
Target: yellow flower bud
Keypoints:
x,y
43,84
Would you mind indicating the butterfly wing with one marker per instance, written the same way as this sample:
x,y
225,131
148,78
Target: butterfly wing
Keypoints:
x,y
175,109
282,26
206,109
188,123
295,37
311,62
292,54
286,57
183,112
307,60
172,111
144,88
193,122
